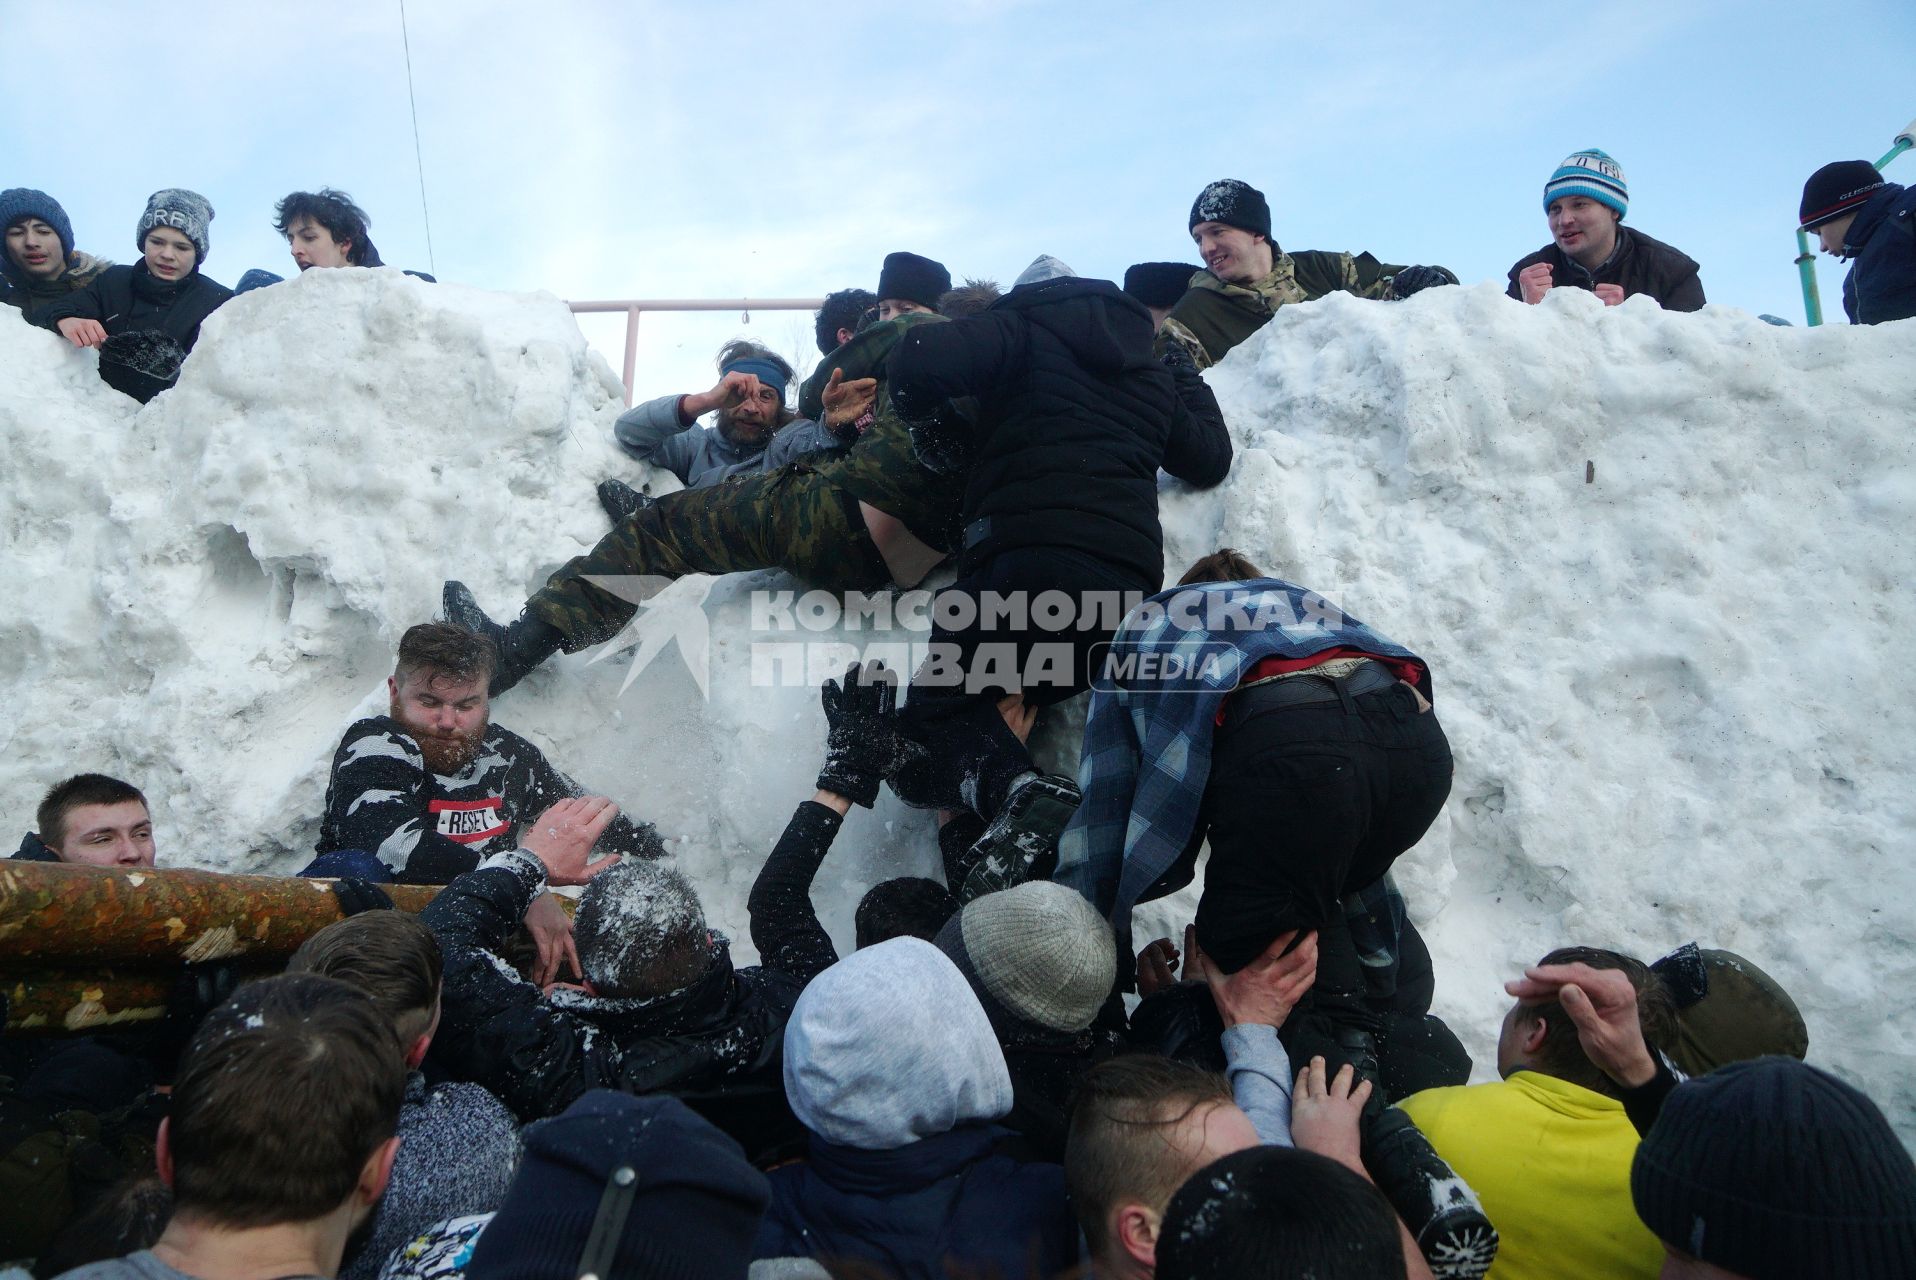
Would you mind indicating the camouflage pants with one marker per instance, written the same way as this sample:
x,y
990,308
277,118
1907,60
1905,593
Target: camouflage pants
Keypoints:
x,y
791,519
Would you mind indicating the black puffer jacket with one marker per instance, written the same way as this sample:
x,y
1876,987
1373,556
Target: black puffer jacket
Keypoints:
x,y
1640,263
1075,418
718,1043
130,299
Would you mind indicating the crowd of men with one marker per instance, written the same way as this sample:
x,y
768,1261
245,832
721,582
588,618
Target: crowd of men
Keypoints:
x,y
997,1080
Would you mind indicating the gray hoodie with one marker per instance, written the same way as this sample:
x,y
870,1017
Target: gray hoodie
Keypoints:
x,y
889,1046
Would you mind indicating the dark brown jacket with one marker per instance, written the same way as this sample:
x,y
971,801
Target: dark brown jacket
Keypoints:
x,y
1640,264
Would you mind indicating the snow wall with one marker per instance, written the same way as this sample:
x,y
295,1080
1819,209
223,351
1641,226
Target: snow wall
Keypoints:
x,y
1660,565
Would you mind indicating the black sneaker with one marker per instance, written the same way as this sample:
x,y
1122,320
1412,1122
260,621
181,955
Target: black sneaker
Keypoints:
x,y
621,501
1438,1206
1022,841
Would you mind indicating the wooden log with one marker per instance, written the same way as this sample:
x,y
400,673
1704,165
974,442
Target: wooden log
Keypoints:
x,y
56,914
65,1002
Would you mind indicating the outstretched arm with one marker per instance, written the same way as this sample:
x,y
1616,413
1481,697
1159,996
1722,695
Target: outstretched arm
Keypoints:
x,y
785,926
1254,1002
937,362
1602,1004
1198,451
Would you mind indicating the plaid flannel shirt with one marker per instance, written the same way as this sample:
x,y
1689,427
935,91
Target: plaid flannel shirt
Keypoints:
x,y
1147,741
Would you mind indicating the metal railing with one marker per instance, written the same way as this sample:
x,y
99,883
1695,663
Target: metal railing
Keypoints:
x,y
636,307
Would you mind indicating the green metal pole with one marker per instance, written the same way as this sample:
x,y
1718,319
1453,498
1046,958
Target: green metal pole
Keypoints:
x,y
1806,265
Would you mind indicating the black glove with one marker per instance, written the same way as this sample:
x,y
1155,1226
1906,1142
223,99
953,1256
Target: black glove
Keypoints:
x,y
1417,279
940,449
146,351
863,745
200,989
1176,356
1685,974
356,895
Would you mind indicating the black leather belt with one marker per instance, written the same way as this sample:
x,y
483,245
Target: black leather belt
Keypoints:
x,y
1304,689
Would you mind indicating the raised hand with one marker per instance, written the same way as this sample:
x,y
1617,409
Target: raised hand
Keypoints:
x,y
1535,281
1157,967
1325,1112
847,402
862,743
1263,992
562,838
1603,1005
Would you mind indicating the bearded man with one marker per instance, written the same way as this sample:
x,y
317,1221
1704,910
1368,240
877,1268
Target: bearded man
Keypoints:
x,y
748,407
433,788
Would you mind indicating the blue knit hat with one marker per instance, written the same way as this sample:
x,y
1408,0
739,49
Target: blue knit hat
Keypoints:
x,y
24,202
1589,173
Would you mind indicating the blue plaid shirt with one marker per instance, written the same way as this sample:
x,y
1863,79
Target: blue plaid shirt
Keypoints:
x,y
1147,742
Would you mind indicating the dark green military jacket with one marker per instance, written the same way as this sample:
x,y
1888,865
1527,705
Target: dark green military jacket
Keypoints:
x,y
882,468
1212,316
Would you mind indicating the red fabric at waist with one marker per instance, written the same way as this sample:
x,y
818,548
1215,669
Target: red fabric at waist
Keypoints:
x,y
1274,665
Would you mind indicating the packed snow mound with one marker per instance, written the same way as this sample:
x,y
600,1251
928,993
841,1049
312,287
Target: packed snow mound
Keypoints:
x,y
1657,562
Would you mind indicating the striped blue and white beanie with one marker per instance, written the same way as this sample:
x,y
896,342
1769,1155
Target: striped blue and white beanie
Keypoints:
x,y
1589,173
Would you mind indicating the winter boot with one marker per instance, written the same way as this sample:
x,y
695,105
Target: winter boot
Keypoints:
x,y
1439,1207
522,646
1021,843
621,501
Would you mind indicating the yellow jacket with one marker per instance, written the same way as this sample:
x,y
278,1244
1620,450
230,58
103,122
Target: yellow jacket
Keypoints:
x,y
1551,1162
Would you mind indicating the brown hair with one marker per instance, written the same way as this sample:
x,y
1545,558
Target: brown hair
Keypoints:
x,y
390,956
1226,564
282,1096
81,788
447,651
640,931
968,299
1119,1148
1561,1053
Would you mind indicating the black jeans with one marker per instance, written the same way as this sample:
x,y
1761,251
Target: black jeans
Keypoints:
x,y
1307,804
971,757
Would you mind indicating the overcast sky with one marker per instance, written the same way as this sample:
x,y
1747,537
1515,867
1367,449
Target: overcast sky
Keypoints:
x,y
600,150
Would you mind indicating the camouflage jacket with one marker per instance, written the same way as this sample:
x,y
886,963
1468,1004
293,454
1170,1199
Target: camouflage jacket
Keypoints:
x,y
1212,316
882,467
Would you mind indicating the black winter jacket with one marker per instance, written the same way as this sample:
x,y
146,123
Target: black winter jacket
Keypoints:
x,y
128,299
956,1203
1639,263
34,849
1075,418
1882,241
713,1043
785,926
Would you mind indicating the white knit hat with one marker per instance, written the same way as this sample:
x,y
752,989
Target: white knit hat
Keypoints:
x,y
1038,952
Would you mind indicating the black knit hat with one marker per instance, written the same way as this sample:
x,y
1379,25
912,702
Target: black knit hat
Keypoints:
x,y
1771,1168
679,1197
915,279
1235,204
1835,189
1159,284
